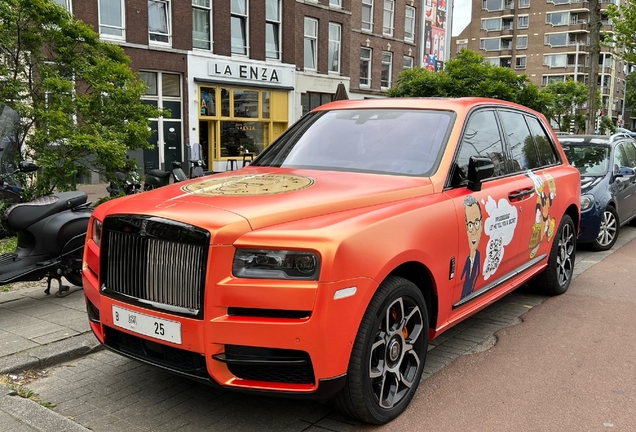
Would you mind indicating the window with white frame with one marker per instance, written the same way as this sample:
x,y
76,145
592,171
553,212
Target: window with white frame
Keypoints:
x,y
524,4
522,42
491,24
272,29
556,39
389,9
238,26
66,4
492,5
523,21
365,67
408,63
336,3
555,60
111,19
159,21
202,24
551,79
558,18
311,43
367,15
495,61
409,24
335,39
387,70
520,62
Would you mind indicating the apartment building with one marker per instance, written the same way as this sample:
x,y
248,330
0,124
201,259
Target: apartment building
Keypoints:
x,y
235,74
548,41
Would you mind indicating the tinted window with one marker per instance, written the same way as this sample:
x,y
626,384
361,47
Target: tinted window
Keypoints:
x,y
481,138
391,141
631,153
547,153
620,157
589,160
522,149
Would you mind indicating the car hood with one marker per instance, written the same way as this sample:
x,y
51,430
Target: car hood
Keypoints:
x,y
257,197
590,182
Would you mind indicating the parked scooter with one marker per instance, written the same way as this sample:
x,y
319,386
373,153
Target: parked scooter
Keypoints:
x,y
124,184
51,231
196,170
157,178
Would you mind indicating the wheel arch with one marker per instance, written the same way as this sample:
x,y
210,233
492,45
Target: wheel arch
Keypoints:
x,y
574,213
420,275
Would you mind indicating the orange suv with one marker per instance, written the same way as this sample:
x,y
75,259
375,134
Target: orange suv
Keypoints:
x,y
323,269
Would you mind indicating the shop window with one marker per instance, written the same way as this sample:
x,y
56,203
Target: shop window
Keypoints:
x,y
207,101
246,103
265,107
225,102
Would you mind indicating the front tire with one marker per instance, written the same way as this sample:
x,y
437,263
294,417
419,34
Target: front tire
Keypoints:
x,y
556,277
388,355
608,231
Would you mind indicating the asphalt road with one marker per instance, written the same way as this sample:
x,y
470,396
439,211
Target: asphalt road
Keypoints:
x,y
526,363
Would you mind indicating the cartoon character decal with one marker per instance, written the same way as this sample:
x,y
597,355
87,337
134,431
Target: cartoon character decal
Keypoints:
x,y
544,224
472,211
500,227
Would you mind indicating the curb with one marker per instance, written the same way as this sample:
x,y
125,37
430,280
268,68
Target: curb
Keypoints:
x,y
32,414
51,354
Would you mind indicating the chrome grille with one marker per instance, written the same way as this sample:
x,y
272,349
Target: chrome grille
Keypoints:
x,y
151,262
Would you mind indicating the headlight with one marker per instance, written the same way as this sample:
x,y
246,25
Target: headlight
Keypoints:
x,y
275,264
96,232
586,201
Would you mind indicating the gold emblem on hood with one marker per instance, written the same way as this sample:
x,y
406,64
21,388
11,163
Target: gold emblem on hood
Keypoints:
x,y
248,185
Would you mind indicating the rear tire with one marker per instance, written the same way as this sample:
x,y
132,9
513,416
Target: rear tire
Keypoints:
x,y
608,231
388,355
556,277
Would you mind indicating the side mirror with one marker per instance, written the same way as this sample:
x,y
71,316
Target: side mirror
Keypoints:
x,y
479,169
626,172
26,167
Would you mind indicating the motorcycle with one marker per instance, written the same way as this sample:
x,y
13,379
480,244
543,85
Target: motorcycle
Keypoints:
x,y
50,231
157,178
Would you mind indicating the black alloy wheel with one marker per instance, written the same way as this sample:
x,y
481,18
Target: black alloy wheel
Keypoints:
x,y
556,277
388,355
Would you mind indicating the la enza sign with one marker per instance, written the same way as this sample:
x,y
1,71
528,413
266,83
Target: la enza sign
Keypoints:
x,y
247,72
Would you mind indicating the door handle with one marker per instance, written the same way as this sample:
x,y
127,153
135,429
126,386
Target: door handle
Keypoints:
x,y
520,194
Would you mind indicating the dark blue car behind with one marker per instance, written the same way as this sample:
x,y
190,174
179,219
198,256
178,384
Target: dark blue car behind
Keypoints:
x,y
608,184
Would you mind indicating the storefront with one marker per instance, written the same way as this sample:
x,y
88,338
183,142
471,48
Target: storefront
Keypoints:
x,y
239,108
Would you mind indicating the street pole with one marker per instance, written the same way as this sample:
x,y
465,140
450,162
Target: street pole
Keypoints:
x,y
576,80
594,26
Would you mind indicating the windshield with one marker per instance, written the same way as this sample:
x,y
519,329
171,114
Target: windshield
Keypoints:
x,y
388,141
589,160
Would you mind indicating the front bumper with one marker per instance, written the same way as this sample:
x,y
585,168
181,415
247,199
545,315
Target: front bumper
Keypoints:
x,y
278,337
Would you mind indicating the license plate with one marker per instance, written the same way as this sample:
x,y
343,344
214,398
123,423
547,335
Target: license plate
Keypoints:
x,y
147,325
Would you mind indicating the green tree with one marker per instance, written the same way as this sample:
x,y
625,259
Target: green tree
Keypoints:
x,y
469,75
78,100
624,28
565,100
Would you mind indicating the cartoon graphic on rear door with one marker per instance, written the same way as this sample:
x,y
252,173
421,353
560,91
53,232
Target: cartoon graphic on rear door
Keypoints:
x,y
544,224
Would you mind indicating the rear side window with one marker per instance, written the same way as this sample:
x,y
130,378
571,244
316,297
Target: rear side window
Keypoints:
x,y
481,138
522,148
547,153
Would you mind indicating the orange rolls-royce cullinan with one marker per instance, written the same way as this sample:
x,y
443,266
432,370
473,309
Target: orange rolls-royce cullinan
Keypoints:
x,y
323,269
